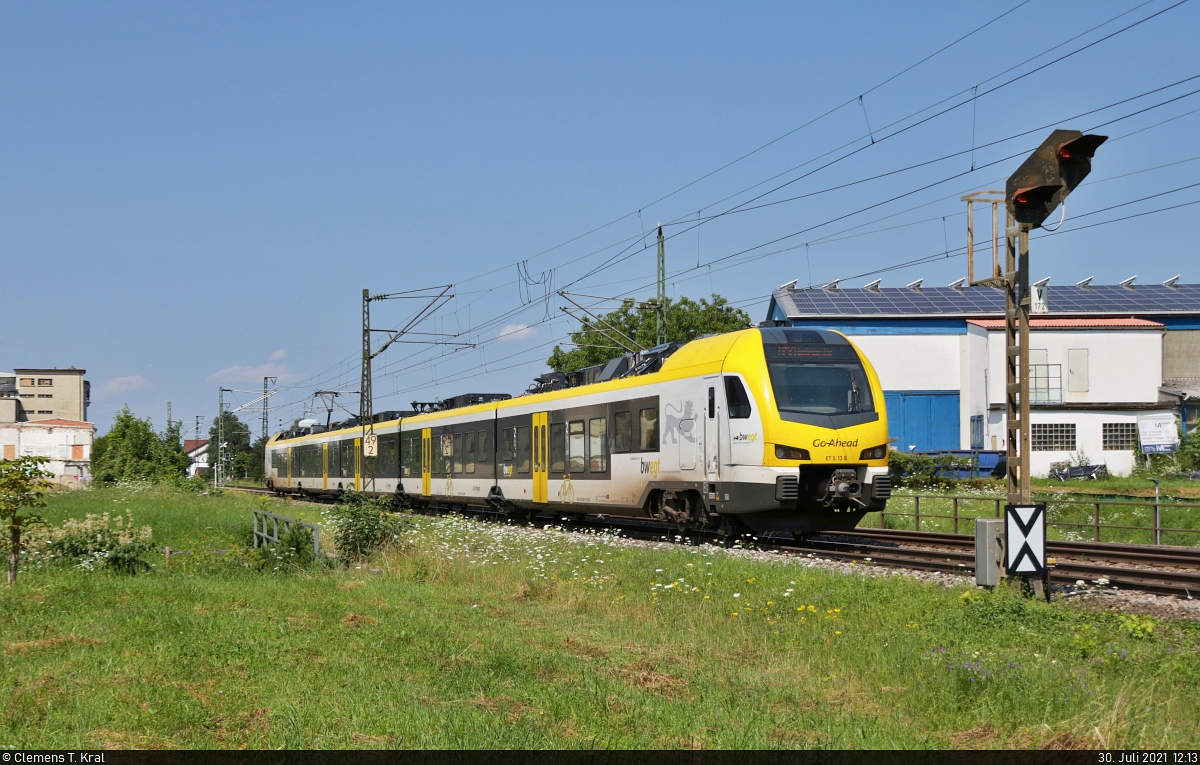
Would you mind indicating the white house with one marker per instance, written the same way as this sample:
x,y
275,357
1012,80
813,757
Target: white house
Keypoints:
x,y
197,449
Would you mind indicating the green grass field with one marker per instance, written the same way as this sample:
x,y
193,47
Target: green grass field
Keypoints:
x,y
468,635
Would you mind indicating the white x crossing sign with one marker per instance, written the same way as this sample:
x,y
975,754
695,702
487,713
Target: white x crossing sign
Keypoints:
x,y
1025,540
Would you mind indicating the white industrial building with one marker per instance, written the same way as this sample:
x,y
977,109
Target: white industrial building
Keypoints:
x,y
27,431
67,444
1102,358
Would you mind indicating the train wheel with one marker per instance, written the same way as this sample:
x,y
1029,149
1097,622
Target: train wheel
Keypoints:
x,y
729,530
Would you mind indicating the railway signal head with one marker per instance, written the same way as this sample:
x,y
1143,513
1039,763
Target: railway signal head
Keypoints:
x,y
1049,174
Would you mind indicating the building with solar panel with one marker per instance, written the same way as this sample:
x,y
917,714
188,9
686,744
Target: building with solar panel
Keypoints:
x,y
1102,358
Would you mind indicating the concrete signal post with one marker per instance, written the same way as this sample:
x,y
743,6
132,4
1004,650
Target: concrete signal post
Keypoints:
x,y
1038,187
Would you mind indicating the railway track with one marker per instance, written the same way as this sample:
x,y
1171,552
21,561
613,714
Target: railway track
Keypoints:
x,y
1161,571
1175,571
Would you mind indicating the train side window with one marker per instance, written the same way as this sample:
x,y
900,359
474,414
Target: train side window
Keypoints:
x,y
558,447
598,445
622,432
506,445
458,453
712,402
435,454
389,458
481,447
736,399
523,449
469,452
648,430
575,443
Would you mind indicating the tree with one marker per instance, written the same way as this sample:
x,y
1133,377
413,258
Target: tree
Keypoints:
x,y
22,484
687,319
132,451
237,442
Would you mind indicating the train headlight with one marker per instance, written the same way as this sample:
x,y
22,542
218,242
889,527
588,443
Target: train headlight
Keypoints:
x,y
874,453
791,453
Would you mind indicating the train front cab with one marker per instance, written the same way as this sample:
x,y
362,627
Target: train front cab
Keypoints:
x,y
819,417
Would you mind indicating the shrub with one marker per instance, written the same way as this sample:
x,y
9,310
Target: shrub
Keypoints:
x,y
111,541
919,471
360,525
294,551
1189,452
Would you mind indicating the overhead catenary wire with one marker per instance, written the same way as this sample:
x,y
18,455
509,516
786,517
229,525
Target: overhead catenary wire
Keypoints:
x,y
956,252
343,368
1102,180
850,101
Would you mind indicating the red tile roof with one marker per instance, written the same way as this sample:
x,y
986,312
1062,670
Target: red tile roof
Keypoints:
x,y
191,444
1071,323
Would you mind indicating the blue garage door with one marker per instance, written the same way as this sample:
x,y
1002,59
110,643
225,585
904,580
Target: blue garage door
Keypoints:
x,y
926,419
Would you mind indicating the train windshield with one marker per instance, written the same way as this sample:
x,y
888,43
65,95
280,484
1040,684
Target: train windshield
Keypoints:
x,y
815,378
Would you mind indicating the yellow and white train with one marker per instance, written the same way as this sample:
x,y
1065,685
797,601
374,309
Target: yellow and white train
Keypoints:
x,y
774,429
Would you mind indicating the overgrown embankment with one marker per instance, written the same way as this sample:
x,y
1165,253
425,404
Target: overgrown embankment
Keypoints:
x,y
464,635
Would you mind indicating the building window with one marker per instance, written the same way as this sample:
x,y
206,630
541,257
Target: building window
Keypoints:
x,y
45,382
45,411
45,395
27,382
977,431
1119,436
1053,436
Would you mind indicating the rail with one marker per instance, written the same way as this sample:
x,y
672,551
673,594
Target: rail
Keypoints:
x,y
266,529
1061,513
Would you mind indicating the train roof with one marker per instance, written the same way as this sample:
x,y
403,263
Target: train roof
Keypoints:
x,y
702,355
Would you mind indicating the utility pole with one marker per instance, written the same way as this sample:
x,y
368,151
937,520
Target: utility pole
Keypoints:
x,y
662,288
366,417
168,416
267,381
220,453
435,298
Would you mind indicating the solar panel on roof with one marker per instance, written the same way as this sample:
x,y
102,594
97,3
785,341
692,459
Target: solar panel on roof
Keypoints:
x,y
976,301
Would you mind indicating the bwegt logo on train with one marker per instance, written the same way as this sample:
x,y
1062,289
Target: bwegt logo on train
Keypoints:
x,y
835,442
651,467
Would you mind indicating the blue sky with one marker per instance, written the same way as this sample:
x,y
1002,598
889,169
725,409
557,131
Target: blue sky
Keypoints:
x,y
194,195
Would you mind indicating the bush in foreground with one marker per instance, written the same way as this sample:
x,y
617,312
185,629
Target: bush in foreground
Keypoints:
x,y
360,524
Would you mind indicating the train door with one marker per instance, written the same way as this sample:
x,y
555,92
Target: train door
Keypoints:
x,y
712,430
325,465
289,467
541,482
426,460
